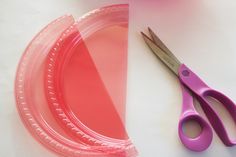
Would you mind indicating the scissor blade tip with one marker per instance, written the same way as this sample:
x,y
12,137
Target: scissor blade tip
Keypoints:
x,y
152,33
149,29
142,33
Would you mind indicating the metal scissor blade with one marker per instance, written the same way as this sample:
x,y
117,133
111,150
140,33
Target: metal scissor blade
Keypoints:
x,y
161,45
165,58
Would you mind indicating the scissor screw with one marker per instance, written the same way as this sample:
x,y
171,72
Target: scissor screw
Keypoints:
x,y
185,73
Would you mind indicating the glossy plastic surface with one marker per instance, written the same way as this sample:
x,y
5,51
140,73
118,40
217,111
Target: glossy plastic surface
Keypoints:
x,y
201,91
204,139
33,105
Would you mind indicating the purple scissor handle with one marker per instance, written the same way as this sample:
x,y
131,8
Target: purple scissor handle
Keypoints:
x,y
201,91
192,84
203,140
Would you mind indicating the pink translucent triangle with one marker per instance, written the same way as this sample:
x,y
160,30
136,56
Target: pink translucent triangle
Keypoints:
x,y
94,81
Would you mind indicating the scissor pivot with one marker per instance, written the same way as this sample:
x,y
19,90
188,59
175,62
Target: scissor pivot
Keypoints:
x,y
185,73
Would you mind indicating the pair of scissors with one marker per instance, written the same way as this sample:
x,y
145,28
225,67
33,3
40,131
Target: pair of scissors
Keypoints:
x,y
192,85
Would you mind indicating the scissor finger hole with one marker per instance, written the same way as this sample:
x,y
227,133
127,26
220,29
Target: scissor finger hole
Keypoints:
x,y
224,115
192,128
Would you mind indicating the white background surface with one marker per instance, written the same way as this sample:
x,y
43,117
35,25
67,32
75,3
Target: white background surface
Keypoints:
x,y
202,33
